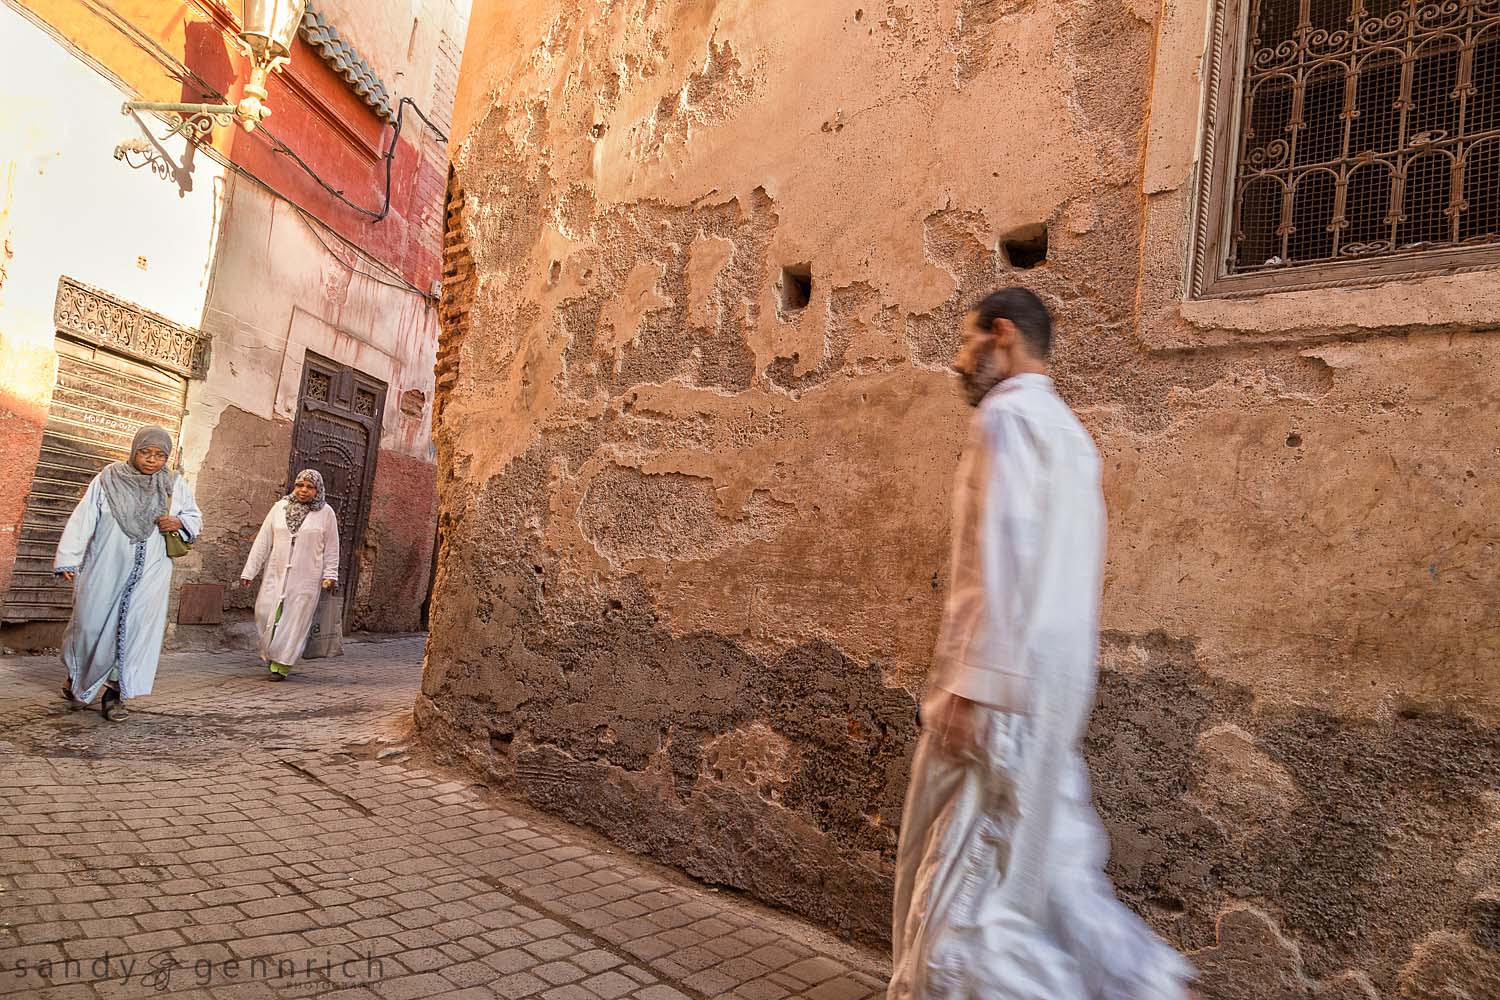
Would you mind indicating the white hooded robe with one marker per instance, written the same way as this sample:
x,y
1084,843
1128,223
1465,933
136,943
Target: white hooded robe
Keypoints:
x,y
295,568
120,593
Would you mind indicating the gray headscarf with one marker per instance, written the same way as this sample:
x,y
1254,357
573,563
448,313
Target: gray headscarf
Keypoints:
x,y
136,499
296,512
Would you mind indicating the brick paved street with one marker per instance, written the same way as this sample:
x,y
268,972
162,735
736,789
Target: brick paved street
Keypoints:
x,y
239,839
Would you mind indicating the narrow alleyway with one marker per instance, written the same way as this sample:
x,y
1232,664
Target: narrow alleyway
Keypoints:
x,y
238,839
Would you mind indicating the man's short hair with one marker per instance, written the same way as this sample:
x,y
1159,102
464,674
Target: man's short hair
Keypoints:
x,y
1023,308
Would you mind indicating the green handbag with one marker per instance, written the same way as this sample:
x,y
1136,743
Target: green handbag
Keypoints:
x,y
177,546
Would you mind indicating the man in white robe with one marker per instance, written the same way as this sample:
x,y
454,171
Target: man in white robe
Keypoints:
x,y
1000,889
114,550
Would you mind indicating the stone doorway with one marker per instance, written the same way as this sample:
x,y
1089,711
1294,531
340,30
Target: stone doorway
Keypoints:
x,y
338,433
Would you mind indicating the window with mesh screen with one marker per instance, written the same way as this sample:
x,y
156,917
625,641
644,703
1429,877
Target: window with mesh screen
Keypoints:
x,y
1368,129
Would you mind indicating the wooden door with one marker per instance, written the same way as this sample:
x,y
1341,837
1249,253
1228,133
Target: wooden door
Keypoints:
x,y
338,433
101,399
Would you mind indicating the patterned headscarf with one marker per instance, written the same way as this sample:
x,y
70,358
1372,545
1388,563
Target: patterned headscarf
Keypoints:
x,y
135,499
297,512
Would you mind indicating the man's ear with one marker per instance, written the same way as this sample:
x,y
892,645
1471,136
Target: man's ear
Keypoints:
x,y
1005,332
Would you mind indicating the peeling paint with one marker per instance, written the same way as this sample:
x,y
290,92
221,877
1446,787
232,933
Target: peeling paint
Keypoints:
x,y
695,528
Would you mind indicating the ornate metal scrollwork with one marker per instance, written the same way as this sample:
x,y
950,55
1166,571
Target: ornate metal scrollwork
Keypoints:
x,y
138,153
195,122
196,127
1334,88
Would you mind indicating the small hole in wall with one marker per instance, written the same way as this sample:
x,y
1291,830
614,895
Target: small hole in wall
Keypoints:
x,y
796,287
859,15
1026,247
1294,440
554,272
1170,905
413,402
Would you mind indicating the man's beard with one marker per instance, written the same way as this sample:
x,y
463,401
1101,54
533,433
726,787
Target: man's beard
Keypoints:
x,y
977,385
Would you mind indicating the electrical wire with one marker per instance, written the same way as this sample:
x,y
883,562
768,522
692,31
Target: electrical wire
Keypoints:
x,y
389,157
277,144
317,226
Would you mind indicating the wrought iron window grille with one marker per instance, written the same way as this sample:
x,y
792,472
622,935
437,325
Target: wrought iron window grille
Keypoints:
x,y
1363,140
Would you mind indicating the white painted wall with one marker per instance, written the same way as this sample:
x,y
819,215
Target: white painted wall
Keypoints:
x,y
68,207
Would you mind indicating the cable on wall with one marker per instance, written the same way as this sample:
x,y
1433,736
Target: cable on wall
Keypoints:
x,y
277,145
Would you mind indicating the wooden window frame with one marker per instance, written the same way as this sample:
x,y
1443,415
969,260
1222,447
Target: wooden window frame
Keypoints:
x,y
1213,214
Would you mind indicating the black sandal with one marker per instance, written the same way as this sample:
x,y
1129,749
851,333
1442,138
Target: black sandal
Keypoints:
x,y
68,696
114,710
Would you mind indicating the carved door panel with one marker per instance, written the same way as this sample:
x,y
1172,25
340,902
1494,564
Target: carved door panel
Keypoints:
x,y
338,433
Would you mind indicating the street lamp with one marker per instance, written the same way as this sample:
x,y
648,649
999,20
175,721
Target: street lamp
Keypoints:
x,y
269,28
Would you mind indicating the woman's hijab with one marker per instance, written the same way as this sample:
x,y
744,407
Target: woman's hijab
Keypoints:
x,y
296,512
135,499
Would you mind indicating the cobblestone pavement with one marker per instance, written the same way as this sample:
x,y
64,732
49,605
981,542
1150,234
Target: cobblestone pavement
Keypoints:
x,y
240,839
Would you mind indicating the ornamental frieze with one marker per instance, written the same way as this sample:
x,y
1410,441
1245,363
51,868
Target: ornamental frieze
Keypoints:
x,y
102,319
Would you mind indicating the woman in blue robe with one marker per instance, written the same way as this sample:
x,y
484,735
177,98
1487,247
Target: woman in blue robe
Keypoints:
x,y
114,550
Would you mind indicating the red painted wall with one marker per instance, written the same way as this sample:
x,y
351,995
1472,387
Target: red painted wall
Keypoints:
x,y
20,445
316,113
398,545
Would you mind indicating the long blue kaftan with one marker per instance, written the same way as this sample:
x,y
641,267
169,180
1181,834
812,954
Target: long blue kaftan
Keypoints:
x,y
120,594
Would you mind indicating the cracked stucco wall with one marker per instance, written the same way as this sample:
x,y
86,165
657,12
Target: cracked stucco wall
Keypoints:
x,y
694,531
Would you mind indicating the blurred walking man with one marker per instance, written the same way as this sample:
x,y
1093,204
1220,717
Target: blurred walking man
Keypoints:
x,y
1000,889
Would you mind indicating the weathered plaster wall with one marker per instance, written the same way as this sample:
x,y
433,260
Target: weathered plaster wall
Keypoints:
x,y
266,311
397,552
694,536
404,41
61,190
253,268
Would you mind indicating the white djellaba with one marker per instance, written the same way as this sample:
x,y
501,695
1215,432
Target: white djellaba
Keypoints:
x,y
298,548
1000,888
124,575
